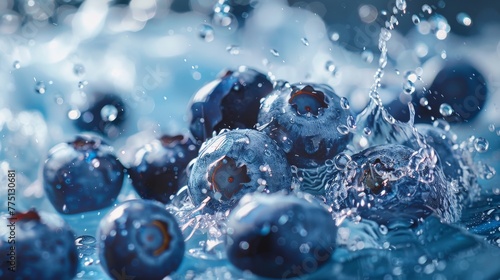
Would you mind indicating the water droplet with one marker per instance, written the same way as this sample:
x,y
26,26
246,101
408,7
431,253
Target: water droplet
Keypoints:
x,y
426,9
491,127
367,56
233,49
481,144
82,84
464,19
344,103
341,160
445,110
78,69
330,66
304,41
424,102
16,64
408,87
109,113
411,76
244,245
335,36
401,5
415,19
40,87
206,32
367,131
343,129
274,52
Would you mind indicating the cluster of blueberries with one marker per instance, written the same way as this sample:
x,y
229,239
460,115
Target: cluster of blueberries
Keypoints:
x,y
247,136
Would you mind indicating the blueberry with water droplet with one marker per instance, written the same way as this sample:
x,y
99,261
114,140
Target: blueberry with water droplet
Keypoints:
x,y
82,175
231,101
458,84
38,246
390,184
140,239
280,236
234,163
104,114
159,169
303,120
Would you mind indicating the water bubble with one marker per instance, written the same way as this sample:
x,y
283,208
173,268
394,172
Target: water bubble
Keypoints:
x,y
443,54
335,36
367,56
82,84
415,19
206,32
491,127
408,87
481,144
16,64
330,66
40,87
109,113
343,129
445,110
78,69
426,9
274,52
233,49
411,76
367,131
344,103
464,19
401,5
304,41
341,160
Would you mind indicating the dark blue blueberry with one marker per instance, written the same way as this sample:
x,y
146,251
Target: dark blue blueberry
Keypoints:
x,y
232,101
458,84
38,246
280,236
82,175
140,239
104,114
159,169
304,119
393,183
234,163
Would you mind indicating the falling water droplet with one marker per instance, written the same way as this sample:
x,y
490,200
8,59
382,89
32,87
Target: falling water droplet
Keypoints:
x,y
401,5
426,9
408,87
330,66
415,19
344,103
445,110
274,52
16,64
82,84
40,87
109,113
232,49
335,36
491,127
304,41
464,19
206,32
481,144
367,56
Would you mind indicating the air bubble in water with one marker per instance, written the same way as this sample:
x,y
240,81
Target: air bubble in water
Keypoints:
x,y
78,69
367,56
481,144
335,36
304,41
206,32
445,110
341,160
426,9
109,113
409,87
491,127
411,76
232,49
464,19
82,84
344,103
415,19
40,87
330,66
274,52
424,102
16,64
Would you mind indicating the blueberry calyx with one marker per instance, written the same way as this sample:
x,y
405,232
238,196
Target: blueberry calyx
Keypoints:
x,y
30,215
171,141
307,100
84,143
227,178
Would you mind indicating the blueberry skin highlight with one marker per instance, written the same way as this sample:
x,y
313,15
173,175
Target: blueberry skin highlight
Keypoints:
x,y
383,189
231,101
44,247
303,120
82,175
458,84
234,163
140,239
159,169
280,236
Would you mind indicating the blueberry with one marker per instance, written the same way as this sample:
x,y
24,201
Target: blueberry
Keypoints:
x,y
393,183
280,236
82,175
231,101
458,84
40,246
304,119
140,239
234,163
104,114
159,169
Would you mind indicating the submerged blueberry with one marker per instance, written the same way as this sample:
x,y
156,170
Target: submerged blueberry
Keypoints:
x,y
280,236
232,101
82,175
104,114
37,246
393,183
234,163
458,84
159,169
304,120
140,239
